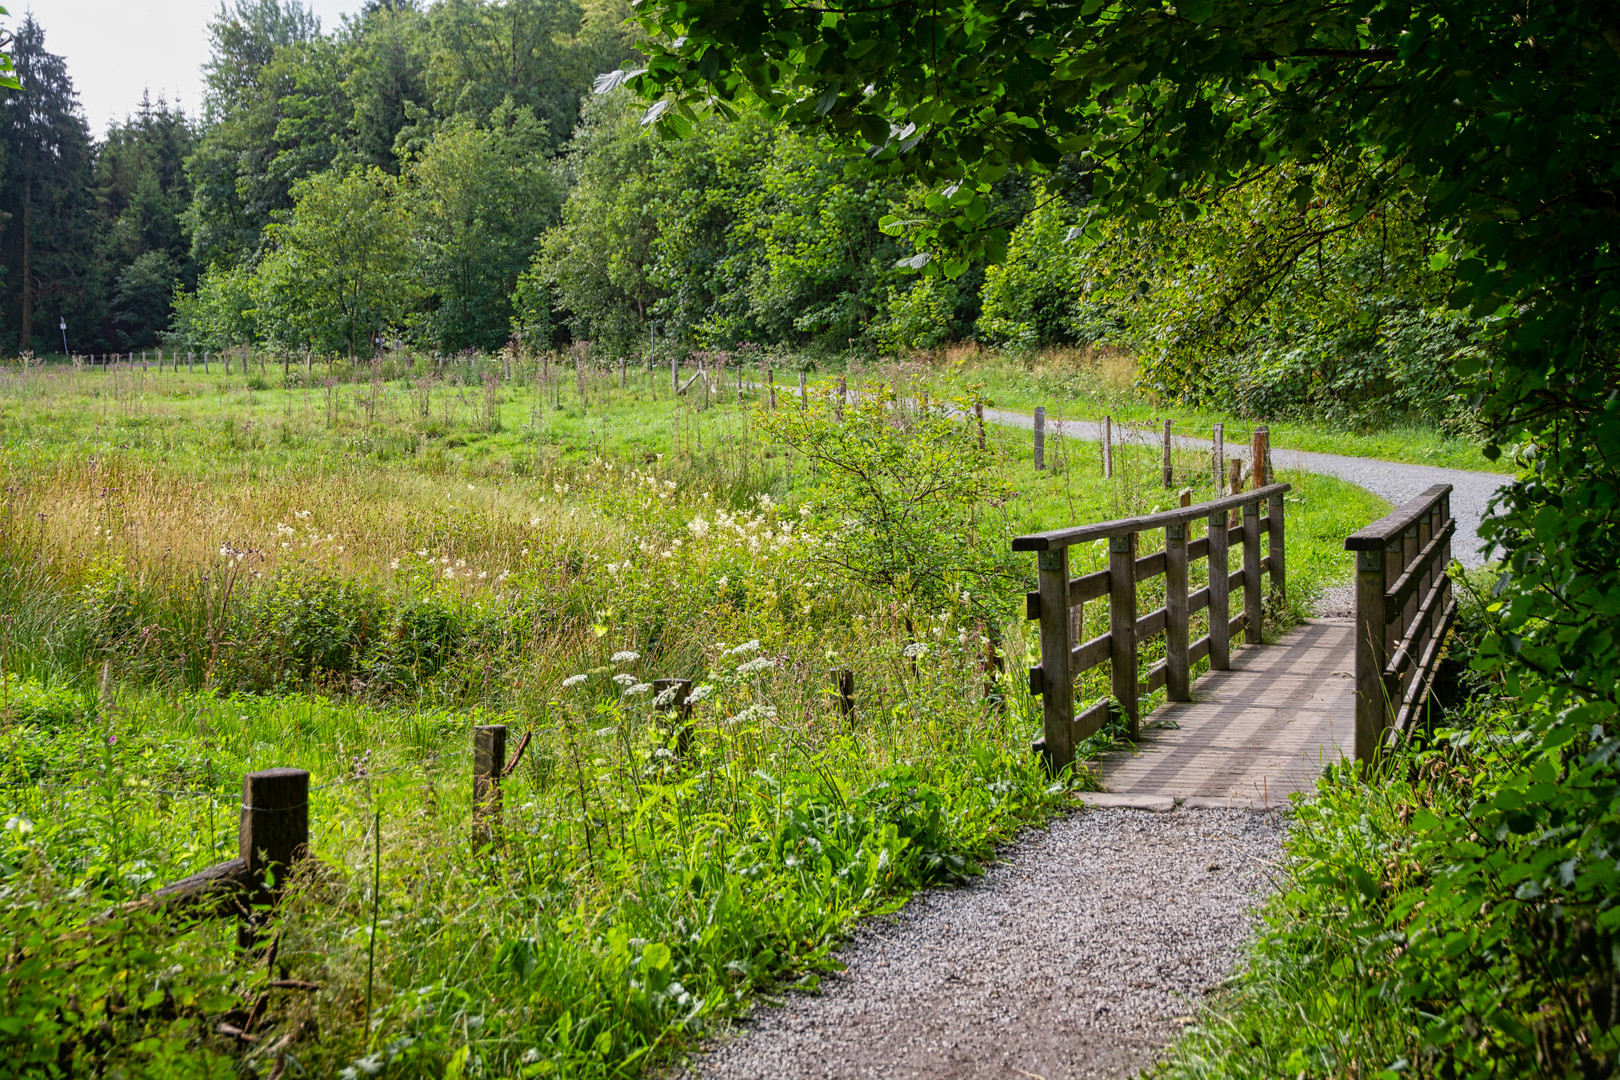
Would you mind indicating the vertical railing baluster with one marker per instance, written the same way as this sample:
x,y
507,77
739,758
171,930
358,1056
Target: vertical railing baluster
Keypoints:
x,y
1252,629
1122,627
1057,681
1220,604
1176,666
1276,552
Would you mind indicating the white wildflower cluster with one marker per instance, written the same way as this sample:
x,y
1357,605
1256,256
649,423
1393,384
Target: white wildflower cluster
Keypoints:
x,y
574,680
744,649
756,665
310,538
624,678
626,656
635,689
915,650
700,693
754,714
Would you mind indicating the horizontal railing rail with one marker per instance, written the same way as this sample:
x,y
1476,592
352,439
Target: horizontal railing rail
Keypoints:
x,y
1064,656
1404,610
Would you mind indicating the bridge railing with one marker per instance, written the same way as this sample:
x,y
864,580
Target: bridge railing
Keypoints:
x,y
1404,607
1063,658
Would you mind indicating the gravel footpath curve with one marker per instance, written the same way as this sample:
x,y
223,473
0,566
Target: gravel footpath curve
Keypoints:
x,y
1389,479
1080,954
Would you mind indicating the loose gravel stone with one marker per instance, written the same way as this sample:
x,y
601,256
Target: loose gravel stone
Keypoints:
x,y
1082,953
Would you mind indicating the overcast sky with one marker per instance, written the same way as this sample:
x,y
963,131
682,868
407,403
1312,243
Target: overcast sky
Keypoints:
x,y
116,48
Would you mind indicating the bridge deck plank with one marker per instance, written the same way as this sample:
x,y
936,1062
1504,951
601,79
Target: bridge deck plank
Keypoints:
x,y
1255,734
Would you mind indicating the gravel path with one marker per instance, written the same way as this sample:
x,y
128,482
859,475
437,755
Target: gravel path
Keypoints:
x,y
1471,491
1084,951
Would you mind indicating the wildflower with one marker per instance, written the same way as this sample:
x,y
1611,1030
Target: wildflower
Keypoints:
x,y
469,487
699,694
758,663
394,565
666,698
574,680
421,553
461,564
699,527
721,584
626,657
624,678
300,514
449,573
533,522
914,650
638,688
19,825
603,733
482,574
745,647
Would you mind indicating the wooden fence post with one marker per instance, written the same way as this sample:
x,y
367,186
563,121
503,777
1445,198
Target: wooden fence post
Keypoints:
x,y
489,764
1252,628
1169,470
843,396
205,364
770,381
1108,448
273,836
679,707
844,683
1220,604
1260,456
1057,679
1219,456
1275,552
1372,653
1121,627
804,396
1040,436
978,415
1176,663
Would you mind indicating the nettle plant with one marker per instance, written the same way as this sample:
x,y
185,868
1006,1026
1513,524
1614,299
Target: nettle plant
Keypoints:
x,y
902,501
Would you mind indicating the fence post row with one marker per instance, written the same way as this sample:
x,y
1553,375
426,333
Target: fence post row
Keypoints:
x,y
1404,609
1064,657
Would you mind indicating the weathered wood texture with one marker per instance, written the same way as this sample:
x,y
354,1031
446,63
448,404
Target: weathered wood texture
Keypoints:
x,y
1064,653
1404,610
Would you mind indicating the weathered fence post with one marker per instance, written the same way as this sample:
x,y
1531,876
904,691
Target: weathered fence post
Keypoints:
x,y
978,415
1260,456
1220,588
1040,436
1275,550
1121,627
1176,646
843,396
205,364
1057,679
770,380
1372,652
1251,573
622,363
489,764
844,680
679,706
273,836
1219,456
1169,471
1108,448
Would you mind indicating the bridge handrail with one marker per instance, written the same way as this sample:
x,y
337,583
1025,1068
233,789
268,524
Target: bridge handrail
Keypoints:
x,y
1080,534
1404,609
1062,657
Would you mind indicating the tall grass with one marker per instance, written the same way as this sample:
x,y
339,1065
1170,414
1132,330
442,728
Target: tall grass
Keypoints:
x,y
346,577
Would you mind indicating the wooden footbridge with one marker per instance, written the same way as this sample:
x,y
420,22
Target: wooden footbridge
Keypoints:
x,y
1264,720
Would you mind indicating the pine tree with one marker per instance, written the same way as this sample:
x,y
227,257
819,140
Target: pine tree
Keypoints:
x,y
48,248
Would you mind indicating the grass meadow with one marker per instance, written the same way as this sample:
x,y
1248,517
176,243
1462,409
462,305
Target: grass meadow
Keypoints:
x,y
345,570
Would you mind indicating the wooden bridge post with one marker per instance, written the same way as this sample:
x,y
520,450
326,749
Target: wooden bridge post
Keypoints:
x,y
1121,628
1176,665
489,763
1057,681
1276,551
1372,653
1252,628
1220,602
